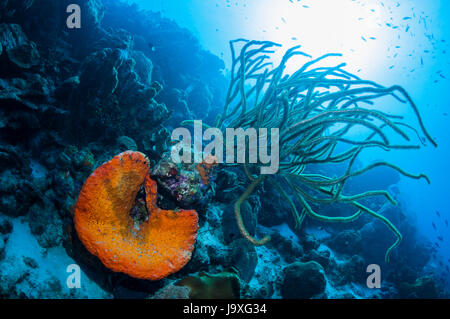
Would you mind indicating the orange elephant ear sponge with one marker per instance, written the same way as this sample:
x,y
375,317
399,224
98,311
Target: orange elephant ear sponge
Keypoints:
x,y
152,248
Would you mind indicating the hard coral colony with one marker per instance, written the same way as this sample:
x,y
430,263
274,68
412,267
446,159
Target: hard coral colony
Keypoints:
x,y
152,248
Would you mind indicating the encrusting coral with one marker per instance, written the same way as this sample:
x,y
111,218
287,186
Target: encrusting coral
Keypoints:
x,y
187,184
117,219
314,110
204,168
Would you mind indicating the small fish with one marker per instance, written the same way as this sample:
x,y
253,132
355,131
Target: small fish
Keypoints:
x,y
364,39
294,38
440,238
446,221
445,114
407,29
438,214
434,226
151,46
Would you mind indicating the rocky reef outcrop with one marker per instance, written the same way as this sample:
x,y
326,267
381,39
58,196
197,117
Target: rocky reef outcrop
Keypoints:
x,y
303,281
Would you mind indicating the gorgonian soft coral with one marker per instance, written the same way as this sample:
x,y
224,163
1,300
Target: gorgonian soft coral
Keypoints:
x,y
315,109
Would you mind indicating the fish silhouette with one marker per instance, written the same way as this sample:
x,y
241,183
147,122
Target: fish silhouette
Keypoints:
x,y
437,213
446,223
434,226
440,238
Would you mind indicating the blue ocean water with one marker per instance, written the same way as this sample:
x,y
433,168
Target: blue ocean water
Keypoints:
x,y
389,42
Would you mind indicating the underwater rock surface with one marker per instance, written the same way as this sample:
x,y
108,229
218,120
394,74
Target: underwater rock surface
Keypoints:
x,y
70,100
303,280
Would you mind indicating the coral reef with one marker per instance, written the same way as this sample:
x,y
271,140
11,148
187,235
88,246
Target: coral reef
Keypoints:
x,y
423,287
303,280
172,292
71,100
224,285
18,49
187,184
303,106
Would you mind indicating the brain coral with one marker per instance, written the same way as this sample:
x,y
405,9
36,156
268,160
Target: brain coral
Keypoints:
x,y
157,245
